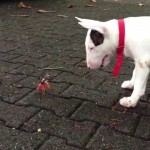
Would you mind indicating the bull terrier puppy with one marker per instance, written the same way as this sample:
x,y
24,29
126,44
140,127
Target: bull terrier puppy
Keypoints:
x,y
132,35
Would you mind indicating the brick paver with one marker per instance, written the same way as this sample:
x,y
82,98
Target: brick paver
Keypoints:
x,y
81,112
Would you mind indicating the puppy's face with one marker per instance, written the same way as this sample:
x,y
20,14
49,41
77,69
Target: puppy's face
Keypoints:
x,y
96,43
97,54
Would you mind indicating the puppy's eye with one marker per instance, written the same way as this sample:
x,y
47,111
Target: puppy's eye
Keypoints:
x,y
92,48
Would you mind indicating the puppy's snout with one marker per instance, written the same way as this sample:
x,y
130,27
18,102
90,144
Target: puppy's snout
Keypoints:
x,y
89,65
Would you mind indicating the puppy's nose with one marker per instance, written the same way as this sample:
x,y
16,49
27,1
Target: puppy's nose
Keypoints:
x,y
89,65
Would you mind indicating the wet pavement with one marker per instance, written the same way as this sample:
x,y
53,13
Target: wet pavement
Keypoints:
x,y
81,112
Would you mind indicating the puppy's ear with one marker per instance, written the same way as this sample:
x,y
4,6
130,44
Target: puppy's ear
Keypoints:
x,y
86,20
92,24
96,37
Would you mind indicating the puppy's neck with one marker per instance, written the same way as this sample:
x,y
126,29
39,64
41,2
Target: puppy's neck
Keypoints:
x,y
113,33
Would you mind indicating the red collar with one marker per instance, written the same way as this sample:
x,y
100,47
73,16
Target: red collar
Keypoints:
x,y
121,26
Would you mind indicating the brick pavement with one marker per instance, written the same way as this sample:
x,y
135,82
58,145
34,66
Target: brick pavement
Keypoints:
x,y
82,112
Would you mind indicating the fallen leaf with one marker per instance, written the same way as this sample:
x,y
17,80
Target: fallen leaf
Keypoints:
x,y
47,85
93,1
22,5
41,87
70,6
44,85
141,4
107,9
45,11
89,5
116,120
20,15
47,68
63,16
81,127
113,108
115,123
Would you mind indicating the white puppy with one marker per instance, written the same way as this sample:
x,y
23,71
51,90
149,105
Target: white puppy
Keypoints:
x,y
102,42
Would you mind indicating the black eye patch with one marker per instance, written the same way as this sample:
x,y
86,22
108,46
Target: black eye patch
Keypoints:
x,y
96,37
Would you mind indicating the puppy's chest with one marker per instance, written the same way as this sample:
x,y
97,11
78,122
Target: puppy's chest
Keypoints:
x,y
129,50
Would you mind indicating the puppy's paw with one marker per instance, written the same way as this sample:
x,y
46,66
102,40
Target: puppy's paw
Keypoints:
x,y
127,102
127,84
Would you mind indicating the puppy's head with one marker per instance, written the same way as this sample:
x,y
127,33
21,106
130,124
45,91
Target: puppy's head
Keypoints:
x,y
97,43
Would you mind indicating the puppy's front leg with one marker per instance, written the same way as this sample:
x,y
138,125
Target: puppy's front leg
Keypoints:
x,y
141,77
129,83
